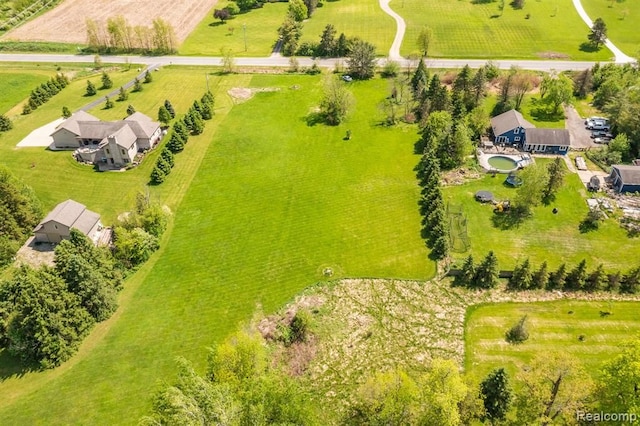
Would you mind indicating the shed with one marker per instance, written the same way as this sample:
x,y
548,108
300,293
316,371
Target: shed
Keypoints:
x,y
56,226
625,178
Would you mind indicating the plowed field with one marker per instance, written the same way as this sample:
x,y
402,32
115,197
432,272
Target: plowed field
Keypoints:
x,y
66,22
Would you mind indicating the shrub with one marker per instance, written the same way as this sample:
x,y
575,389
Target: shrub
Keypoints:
x,y
518,333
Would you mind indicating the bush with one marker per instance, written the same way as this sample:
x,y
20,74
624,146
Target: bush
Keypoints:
x,y
307,48
390,69
518,333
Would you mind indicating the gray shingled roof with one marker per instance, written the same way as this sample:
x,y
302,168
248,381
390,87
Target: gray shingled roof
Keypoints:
x,y
87,126
73,215
143,126
630,175
124,137
509,120
549,137
99,129
72,123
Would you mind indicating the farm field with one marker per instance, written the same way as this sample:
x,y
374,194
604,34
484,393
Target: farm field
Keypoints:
x,y
270,208
462,29
66,22
561,240
622,22
552,326
259,25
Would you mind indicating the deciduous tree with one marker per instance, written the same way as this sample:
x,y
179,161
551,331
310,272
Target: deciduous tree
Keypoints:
x,y
361,61
425,37
336,101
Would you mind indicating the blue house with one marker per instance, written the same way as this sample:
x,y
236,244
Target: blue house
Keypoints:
x,y
509,128
625,178
547,141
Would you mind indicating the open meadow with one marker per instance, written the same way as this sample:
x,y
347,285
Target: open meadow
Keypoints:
x,y
622,19
554,325
276,200
561,240
467,29
16,85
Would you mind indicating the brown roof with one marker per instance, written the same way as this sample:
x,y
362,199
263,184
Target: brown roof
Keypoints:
x,y
509,120
630,175
73,215
550,137
72,123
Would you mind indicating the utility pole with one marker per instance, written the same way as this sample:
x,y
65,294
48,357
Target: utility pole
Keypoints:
x,y
244,31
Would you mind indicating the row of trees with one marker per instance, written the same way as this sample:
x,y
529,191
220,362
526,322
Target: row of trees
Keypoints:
x,y
44,92
118,36
20,212
192,123
435,226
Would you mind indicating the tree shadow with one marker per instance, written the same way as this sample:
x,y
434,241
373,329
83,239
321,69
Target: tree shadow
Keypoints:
x,y
587,226
11,366
418,147
217,23
588,47
313,118
494,16
507,220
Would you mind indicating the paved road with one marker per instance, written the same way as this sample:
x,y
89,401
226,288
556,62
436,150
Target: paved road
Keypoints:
x,y
394,52
546,65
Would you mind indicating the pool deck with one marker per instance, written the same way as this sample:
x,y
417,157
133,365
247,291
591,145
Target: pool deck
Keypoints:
x,y
521,159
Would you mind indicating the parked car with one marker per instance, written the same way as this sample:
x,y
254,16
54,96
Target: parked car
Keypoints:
x,y
347,78
598,125
598,134
599,140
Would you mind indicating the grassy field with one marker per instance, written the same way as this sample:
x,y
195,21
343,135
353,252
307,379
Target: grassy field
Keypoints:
x,y
355,18
561,240
622,22
15,86
464,29
274,202
552,326
260,26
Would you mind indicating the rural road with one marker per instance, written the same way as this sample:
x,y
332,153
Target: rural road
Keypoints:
x,y
546,65
394,52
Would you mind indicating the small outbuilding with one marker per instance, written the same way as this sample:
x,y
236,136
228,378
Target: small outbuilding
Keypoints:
x,y
625,178
484,196
56,226
594,183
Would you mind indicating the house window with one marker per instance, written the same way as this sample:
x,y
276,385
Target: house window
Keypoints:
x,y
111,160
563,148
126,160
108,151
123,152
517,130
55,226
517,139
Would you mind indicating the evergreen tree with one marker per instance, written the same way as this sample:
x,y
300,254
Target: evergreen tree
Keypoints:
x,y
631,281
163,165
91,89
169,107
327,46
108,103
598,34
122,95
207,112
613,281
65,112
575,279
522,277
597,280
198,123
27,109
137,85
467,273
556,172
106,81
148,77
487,272
197,106
175,144
557,278
164,116
496,395
208,99
419,80
130,110
540,277
157,175
343,47
5,123
168,157
182,131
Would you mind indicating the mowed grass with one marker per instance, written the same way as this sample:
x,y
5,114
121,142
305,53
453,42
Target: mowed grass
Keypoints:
x,y
622,22
355,18
560,241
552,326
274,202
462,29
15,86
259,27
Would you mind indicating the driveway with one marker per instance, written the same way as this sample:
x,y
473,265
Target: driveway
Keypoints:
x,y
580,136
41,136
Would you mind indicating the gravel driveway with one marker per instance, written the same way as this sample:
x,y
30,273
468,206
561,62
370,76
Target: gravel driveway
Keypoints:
x,y
580,136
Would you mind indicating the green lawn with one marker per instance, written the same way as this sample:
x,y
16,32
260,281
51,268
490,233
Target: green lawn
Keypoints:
x,y
15,86
622,22
273,203
355,18
259,26
561,240
552,326
466,30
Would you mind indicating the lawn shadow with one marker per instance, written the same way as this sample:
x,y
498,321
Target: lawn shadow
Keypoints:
x,y
11,366
588,47
216,23
540,112
418,147
506,221
313,118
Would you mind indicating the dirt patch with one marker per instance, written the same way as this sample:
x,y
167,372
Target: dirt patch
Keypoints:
x,y
35,255
459,176
66,22
553,55
243,94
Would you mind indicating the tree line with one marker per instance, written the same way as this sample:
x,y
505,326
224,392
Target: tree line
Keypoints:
x,y
44,92
117,36
192,123
45,313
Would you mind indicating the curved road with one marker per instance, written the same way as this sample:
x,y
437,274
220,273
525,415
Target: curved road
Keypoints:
x,y
620,56
394,52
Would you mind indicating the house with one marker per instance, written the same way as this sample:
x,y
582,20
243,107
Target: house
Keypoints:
x,y
509,128
56,226
625,178
547,141
109,144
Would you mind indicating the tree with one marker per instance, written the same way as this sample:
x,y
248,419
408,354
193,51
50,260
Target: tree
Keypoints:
x,y
106,81
496,395
164,116
621,145
487,272
630,282
221,14
169,107
297,10
232,8
556,172
554,387
311,7
181,130
66,113
424,40
122,95
540,278
556,90
108,103
5,123
130,110
467,273
518,333
521,84
577,277
597,280
442,391
327,44
478,86
362,60
246,5
148,77
137,85
583,83
522,277
617,387
228,61
134,247
529,194
557,278
290,32
91,89
598,34
419,80
336,101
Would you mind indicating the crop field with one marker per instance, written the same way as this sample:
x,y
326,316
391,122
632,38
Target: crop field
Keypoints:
x,y
66,22
556,325
561,240
259,27
277,202
622,22
464,29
